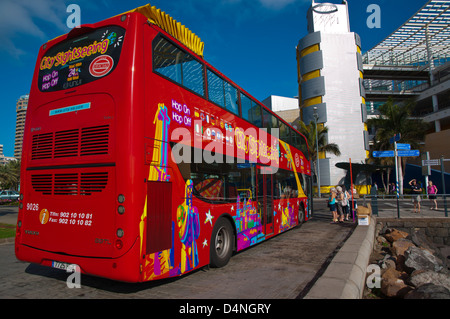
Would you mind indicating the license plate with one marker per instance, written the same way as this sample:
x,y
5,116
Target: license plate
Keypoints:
x,y
60,265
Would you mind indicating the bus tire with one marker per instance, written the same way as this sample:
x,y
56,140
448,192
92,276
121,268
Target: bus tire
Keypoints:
x,y
301,215
222,242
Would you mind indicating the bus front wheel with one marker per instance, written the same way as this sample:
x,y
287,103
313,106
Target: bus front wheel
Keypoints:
x,y
222,241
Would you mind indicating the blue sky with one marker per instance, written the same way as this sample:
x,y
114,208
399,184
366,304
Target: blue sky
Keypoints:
x,y
251,41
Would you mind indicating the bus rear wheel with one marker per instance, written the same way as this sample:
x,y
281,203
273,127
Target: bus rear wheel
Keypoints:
x,y
222,241
301,215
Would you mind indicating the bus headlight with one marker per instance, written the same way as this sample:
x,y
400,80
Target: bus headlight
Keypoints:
x,y
119,233
121,209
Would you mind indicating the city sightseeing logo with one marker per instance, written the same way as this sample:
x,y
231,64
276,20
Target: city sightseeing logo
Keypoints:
x,y
62,58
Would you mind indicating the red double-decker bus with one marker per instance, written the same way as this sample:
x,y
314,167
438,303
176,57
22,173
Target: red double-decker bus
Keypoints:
x,y
141,161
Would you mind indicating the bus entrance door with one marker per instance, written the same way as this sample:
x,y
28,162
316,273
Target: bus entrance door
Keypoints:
x,y
265,198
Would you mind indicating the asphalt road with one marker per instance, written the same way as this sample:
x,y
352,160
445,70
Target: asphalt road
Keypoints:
x,y
283,267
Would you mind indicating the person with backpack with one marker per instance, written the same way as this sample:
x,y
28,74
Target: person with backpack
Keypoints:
x,y
432,191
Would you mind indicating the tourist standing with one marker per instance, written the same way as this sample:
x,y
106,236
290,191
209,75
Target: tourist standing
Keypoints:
x,y
417,190
432,191
346,203
339,203
332,205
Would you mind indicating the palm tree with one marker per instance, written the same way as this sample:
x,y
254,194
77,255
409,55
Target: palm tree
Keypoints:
x,y
386,165
309,131
10,175
398,118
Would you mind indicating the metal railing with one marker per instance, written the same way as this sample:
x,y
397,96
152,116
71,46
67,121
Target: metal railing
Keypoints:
x,y
371,198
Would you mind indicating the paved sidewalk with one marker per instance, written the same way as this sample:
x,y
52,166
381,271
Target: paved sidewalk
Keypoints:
x,y
8,215
344,277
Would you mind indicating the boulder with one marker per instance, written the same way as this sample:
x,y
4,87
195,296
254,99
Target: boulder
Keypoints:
x,y
429,291
421,259
381,240
394,234
401,245
421,277
420,239
386,262
392,285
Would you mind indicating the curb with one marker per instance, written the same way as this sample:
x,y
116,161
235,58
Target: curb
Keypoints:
x,y
345,277
8,240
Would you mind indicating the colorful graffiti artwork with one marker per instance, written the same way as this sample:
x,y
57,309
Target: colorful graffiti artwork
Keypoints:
x,y
159,263
287,216
158,169
248,224
189,224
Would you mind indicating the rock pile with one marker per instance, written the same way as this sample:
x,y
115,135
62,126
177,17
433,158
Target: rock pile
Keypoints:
x,y
412,267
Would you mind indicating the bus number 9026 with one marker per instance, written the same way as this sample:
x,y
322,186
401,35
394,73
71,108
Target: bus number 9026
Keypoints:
x,y
33,206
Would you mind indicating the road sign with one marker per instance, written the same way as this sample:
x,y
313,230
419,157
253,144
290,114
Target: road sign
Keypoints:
x,y
431,162
408,153
395,138
383,153
401,146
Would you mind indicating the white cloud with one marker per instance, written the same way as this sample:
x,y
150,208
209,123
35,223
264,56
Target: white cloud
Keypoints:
x,y
30,18
276,4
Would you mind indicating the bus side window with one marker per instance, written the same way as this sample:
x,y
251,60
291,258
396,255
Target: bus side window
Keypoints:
x,y
177,65
166,60
222,93
251,111
193,75
215,89
231,98
285,133
270,122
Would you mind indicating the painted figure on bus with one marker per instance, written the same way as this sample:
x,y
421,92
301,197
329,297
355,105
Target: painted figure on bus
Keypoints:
x,y
158,169
292,165
161,264
287,217
189,224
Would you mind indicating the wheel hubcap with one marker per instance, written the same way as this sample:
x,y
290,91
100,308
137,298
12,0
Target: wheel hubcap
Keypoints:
x,y
222,242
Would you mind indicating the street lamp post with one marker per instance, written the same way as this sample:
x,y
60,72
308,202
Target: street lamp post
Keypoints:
x,y
316,117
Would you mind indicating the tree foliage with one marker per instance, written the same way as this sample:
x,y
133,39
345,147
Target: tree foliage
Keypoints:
x,y
10,175
309,131
394,119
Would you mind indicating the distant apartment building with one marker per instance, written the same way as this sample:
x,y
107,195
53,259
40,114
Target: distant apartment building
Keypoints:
x,y
414,62
21,110
4,159
331,87
285,107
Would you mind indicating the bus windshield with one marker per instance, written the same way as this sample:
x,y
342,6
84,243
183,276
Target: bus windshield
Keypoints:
x,y
81,59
